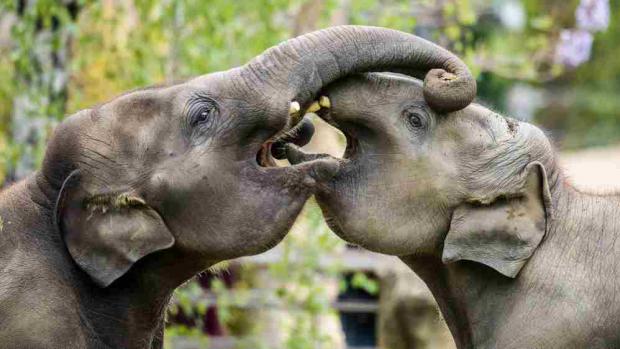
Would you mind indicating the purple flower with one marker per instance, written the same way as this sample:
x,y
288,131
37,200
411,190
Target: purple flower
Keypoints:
x,y
593,15
574,47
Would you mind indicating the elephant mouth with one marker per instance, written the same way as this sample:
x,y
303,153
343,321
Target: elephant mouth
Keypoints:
x,y
352,145
274,148
300,175
288,145
264,157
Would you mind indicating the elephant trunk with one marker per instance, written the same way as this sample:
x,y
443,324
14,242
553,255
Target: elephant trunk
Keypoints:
x,y
298,69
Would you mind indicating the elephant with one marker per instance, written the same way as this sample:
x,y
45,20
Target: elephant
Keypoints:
x,y
137,195
478,206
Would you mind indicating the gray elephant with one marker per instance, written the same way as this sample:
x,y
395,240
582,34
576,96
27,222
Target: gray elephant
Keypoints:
x,y
137,195
476,204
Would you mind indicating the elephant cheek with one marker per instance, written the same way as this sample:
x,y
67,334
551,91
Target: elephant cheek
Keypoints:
x,y
157,188
338,211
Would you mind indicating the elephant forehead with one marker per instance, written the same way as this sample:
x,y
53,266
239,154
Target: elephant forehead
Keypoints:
x,y
141,105
477,128
374,89
116,147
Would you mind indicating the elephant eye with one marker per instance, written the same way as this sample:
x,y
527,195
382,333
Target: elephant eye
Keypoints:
x,y
415,120
203,115
415,117
201,112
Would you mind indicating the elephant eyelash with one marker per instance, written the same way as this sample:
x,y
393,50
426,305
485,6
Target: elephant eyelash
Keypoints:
x,y
201,110
201,113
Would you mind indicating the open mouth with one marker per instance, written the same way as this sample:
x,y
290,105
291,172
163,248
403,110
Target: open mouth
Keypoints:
x,y
274,149
264,157
299,135
352,143
286,145
352,146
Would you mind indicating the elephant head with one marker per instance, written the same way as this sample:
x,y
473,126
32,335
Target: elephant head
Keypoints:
x,y
183,172
454,182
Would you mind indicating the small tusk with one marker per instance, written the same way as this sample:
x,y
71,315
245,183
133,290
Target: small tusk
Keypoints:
x,y
325,102
314,107
294,108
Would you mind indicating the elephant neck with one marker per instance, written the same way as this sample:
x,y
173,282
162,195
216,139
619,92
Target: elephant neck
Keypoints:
x,y
137,302
475,302
129,313
583,219
27,206
454,308
485,309
126,314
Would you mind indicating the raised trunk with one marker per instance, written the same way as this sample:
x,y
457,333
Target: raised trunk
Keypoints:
x,y
297,69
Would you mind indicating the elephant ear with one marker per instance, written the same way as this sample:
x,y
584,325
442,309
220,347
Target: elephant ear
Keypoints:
x,y
504,233
107,233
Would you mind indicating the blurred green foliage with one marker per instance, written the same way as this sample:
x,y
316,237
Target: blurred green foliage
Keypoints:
x,y
362,281
591,112
148,41
40,34
304,280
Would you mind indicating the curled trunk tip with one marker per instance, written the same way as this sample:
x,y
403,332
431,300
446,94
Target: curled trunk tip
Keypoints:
x,y
446,92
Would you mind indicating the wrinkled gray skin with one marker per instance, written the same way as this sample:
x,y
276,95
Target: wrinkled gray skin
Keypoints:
x,y
476,205
137,195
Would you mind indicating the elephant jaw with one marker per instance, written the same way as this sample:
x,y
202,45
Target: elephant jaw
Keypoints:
x,y
274,196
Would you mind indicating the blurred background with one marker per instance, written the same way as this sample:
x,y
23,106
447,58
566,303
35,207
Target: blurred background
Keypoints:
x,y
554,63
